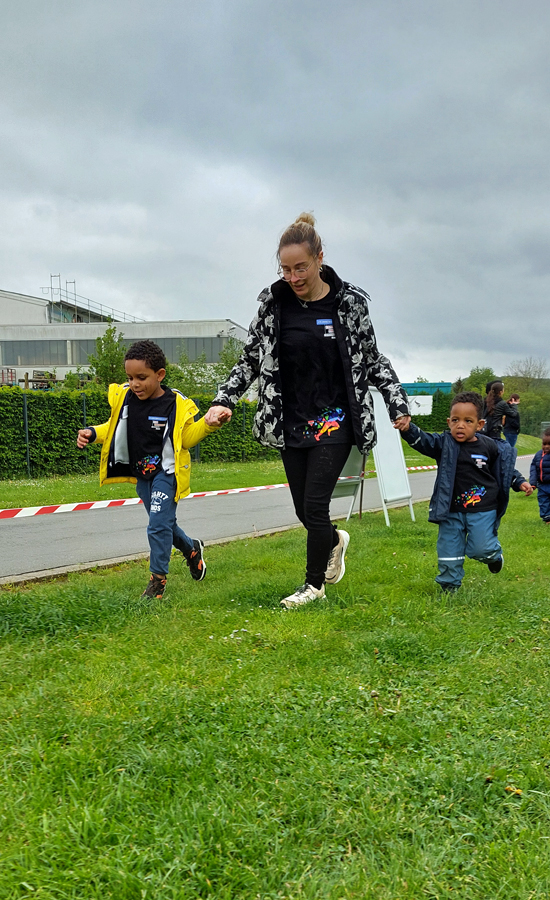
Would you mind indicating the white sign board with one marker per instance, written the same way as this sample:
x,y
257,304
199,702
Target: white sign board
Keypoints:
x,y
389,461
421,404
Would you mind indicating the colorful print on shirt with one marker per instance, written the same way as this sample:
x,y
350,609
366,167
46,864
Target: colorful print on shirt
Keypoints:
x,y
472,497
325,423
148,464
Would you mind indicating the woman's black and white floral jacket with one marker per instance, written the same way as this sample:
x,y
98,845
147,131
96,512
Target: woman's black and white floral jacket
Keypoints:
x,y
362,361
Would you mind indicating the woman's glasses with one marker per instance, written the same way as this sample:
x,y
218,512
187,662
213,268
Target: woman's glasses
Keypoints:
x,y
299,271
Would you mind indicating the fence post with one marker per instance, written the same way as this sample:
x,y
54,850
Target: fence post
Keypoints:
x,y
243,407
84,425
197,447
26,425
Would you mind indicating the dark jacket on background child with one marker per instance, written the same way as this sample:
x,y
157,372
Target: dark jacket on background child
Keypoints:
x,y
540,469
445,450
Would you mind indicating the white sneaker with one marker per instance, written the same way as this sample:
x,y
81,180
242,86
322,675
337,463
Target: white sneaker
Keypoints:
x,y
336,564
303,595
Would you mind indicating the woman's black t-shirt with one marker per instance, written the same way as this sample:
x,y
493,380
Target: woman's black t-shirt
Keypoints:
x,y
147,421
475,487
315,401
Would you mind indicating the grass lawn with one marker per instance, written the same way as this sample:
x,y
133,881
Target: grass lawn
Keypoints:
x,y
204,477
387,743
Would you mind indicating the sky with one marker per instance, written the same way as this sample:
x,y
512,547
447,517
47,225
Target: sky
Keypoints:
x,y
154,153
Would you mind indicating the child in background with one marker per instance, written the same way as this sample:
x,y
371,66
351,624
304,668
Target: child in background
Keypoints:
x,y
540,476
146,441
474,476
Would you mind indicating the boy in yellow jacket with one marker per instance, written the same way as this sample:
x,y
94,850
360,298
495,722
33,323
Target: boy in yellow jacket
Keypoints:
x,y
146,441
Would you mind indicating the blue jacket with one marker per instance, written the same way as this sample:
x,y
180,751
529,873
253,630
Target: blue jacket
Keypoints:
x,y
540,469
444,449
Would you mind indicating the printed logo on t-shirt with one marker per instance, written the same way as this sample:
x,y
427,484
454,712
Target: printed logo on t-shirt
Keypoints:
x,y
471,497
327,422
480,460
158,423
329,327
148,464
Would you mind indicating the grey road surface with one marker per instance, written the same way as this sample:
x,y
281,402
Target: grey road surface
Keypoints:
x,y
64,541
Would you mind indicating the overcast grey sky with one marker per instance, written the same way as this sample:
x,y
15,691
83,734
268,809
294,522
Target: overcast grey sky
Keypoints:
x,y
155,151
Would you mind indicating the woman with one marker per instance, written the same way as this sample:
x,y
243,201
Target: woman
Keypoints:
x,y
312,348
494,410
512,425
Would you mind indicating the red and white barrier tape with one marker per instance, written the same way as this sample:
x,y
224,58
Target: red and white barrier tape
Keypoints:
x,y
25,511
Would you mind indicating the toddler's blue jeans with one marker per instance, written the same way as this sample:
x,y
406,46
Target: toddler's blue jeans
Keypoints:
x,y
543,496
158,496
461,534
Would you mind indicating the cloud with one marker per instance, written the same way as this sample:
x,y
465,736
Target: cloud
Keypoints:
x,y
156,153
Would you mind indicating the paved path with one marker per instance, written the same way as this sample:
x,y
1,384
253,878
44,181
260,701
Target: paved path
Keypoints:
x,y
52,544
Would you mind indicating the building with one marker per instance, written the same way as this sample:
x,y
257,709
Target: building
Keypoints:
x,y
427,387
39,334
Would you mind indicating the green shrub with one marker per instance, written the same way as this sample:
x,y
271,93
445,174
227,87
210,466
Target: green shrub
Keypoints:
x,y
55,417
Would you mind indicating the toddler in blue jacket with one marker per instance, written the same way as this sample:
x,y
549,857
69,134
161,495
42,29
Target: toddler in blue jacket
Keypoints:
x,y
474,476
539,476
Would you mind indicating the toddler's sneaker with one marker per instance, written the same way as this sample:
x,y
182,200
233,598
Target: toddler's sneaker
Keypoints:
x,y
195,561
496,565
155,588
336,564
303,595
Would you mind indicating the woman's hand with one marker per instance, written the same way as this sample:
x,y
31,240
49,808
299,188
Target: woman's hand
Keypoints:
x,y
402,423
526,488
218,415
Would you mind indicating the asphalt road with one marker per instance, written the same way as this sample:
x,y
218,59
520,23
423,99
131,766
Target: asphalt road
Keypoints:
x,y
60,542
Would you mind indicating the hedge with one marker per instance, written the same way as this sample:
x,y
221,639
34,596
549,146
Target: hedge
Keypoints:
x,y
54,417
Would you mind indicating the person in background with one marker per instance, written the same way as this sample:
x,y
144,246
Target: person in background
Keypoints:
x,y
539,476
494,410
313,350
511,425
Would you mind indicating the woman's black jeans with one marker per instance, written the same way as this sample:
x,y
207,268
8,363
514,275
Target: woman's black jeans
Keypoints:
x,y
312,473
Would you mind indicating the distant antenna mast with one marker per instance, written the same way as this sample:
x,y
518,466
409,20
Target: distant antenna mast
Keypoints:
x,y
67,283
53,289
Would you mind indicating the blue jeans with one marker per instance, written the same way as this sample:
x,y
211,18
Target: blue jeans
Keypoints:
x,y
543,496
465,534
158,496
511,437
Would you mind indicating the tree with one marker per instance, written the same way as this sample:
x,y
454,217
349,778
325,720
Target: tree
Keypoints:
x,y
421,380
192,378
526,372
107,365
229,355
458,386
478,378
201,377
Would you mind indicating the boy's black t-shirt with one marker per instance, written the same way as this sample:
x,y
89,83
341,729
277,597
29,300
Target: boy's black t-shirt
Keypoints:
x,y
476,488
147,421
315,401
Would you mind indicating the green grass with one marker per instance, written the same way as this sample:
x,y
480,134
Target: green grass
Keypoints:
x,y
214,746
204,477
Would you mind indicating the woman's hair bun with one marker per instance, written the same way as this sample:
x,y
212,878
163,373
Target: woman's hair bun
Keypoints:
x,y
306,217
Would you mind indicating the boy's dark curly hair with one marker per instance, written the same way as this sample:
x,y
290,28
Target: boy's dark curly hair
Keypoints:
x,y
470,397
149,352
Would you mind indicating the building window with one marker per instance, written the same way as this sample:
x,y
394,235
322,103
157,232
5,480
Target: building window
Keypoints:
x,y
81,351
34,353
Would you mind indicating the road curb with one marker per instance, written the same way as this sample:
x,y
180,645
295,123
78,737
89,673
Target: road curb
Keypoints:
x,y
61,571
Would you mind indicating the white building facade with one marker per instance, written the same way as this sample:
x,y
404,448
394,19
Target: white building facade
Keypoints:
x,y
36,334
